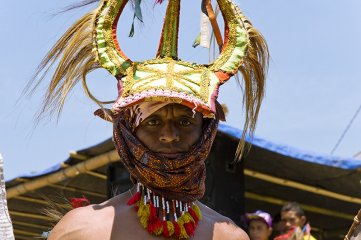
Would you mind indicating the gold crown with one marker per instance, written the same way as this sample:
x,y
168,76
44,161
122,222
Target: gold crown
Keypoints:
x,y
166,78
91,43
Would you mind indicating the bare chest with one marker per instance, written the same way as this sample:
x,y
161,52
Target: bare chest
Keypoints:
x,y
125,225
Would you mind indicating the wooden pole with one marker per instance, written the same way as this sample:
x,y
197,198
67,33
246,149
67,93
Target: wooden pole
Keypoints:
x,y
354,226
63,174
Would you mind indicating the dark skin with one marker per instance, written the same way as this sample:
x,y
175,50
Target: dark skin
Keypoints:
x,y
291,219
170,131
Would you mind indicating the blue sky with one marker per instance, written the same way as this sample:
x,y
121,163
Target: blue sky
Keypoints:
x,y
313,86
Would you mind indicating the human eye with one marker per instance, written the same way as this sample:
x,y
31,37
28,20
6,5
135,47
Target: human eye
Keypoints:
x,y
185,122
152,122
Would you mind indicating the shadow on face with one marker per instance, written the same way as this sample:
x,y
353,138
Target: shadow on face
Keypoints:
x,y
170,131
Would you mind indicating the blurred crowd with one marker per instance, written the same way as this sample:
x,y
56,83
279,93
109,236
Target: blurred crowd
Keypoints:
x,y
290,223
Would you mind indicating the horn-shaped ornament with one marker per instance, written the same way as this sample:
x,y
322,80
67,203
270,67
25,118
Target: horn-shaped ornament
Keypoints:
x,y
166,78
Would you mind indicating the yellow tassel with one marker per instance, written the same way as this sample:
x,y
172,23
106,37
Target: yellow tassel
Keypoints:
x,y
141,208
183,232
144,222
143,214
158,231
197,211
186,218
170,227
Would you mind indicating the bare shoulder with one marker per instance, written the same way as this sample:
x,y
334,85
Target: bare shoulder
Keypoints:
x,y
82,223
72,225
228,230
223,227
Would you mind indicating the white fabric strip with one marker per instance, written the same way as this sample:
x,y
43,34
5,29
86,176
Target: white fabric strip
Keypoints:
x,y
6,227
205,31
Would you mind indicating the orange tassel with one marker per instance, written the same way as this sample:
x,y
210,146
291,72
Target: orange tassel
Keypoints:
x,y
134,199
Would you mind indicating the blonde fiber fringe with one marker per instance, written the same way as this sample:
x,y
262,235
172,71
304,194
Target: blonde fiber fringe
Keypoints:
x,y
73,54
253,69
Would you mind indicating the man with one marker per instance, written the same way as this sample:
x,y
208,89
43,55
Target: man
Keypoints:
x,y
171,133
165,119
293,216
259,225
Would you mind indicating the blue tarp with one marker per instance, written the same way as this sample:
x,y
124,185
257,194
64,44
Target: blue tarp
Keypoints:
x,y
328,160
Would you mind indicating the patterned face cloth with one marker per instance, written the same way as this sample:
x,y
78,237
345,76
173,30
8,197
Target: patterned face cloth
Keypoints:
x,y
139,112
181,179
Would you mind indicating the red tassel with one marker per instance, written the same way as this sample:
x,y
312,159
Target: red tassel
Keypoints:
x,y
153,213
165,229
134,199
194,215
153,226
158,1
176,229
190,228
79,202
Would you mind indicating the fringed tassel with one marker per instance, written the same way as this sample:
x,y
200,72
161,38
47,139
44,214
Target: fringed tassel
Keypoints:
x,y
154,215
177,230
194,215
153,212
165,229
134,199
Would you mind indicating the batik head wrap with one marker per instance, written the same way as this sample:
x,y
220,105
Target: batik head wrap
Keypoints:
x,y
181,179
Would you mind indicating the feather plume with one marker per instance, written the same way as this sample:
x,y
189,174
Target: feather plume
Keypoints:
x,y
74,58
253,70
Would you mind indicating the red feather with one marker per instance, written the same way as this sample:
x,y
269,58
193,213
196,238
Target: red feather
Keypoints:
x,y
79,202
134,199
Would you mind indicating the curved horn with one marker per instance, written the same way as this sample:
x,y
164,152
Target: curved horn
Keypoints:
x,y
242,43
109,54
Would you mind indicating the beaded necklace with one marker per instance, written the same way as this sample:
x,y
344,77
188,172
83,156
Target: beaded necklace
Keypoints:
x,y
161,216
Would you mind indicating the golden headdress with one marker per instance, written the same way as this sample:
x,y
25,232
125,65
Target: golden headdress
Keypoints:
x,y
91,43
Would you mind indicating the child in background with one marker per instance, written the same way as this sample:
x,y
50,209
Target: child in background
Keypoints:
x,y
259,225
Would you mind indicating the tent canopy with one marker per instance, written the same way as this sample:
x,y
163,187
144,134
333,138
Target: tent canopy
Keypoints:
x,y
269,175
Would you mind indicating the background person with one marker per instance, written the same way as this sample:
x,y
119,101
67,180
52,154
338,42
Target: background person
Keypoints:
x,y
293,216
259,225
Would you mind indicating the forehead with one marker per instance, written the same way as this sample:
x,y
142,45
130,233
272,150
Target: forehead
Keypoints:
x,y
288,214
257,223
175,110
